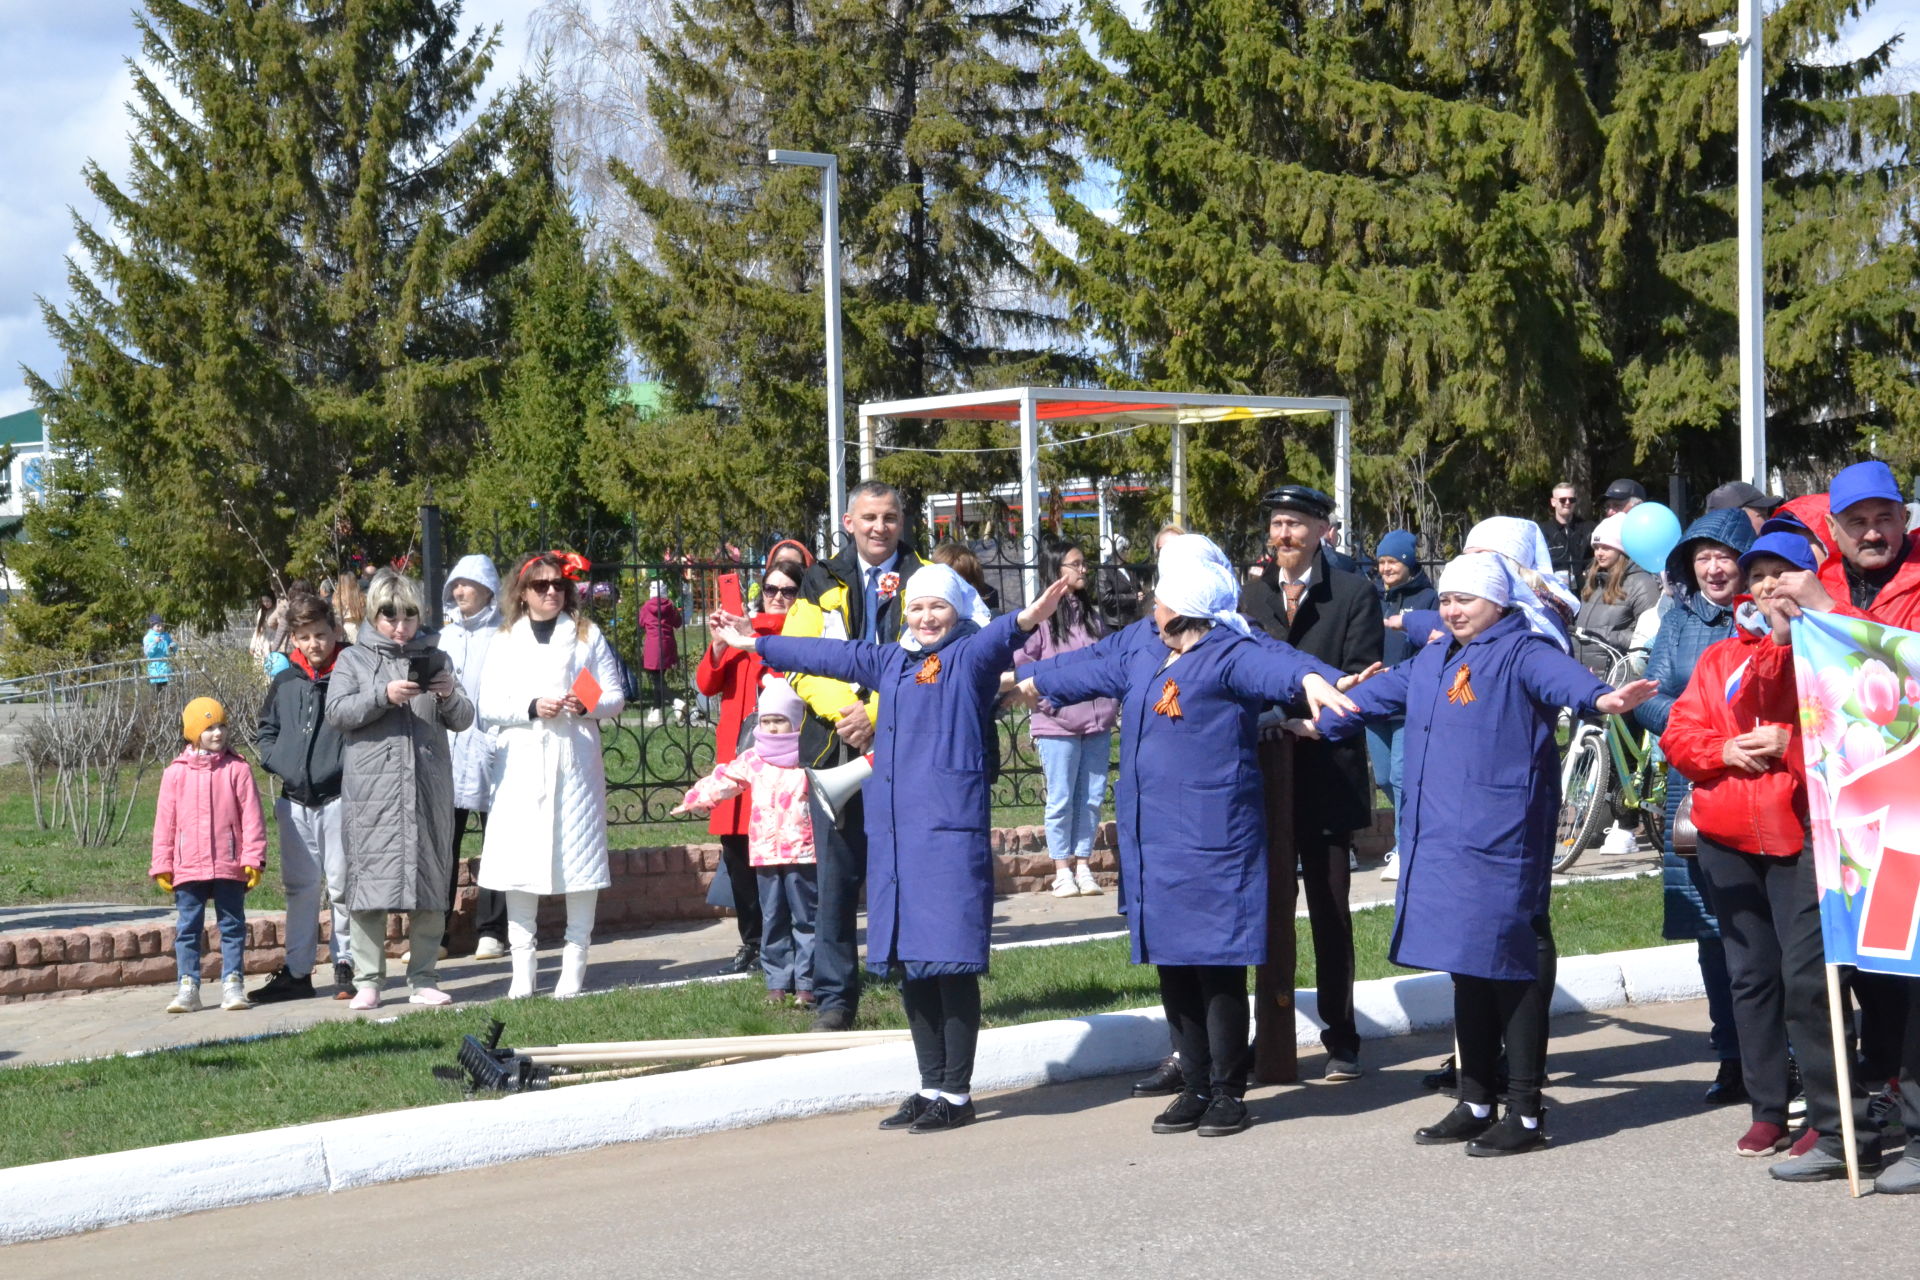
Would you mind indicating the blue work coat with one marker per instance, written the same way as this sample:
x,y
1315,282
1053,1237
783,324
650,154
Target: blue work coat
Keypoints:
x,y
1479,797
1192,825
929,861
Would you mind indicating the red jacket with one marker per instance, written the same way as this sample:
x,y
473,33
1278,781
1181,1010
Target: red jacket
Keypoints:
x,y
208,824
735,677
1754,813
1771,693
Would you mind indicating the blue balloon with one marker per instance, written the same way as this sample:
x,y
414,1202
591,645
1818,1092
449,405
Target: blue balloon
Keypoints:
x,y
1650,533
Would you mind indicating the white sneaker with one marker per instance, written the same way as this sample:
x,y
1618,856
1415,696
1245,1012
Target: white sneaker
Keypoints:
x,y
1619,840
187,998
1063,883
1083,880
233,992
490,949
1392,870
1353,861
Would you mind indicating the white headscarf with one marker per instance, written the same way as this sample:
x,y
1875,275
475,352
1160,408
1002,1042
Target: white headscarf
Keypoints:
x,y
1479,573
942,582
1196,581
1525,549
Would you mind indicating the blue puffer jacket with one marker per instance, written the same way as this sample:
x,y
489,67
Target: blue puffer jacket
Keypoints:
x,y
1685,633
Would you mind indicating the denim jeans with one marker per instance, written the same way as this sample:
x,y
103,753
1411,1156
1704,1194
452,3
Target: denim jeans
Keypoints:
x,y
1076,772
1386,750
229,898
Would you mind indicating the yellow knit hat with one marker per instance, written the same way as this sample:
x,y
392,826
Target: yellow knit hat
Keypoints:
x,y
201,715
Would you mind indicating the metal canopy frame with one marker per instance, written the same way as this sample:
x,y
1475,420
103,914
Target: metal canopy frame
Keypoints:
x,y
1032,405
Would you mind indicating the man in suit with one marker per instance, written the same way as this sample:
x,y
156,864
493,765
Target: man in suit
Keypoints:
x,y
1335,616
852,595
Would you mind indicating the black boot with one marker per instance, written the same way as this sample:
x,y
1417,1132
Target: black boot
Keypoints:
x,y
1511,1136
745,960
1728,1086
1183,1116
1458,1125
1167,1078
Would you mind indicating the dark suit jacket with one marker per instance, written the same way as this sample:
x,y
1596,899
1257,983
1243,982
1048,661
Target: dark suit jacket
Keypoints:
x,y
1338,622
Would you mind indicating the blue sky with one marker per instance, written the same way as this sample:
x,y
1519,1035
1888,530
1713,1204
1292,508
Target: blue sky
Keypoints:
x,y
63,89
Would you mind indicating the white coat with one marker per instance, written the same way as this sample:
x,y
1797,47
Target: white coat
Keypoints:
x,y
547,832
466,641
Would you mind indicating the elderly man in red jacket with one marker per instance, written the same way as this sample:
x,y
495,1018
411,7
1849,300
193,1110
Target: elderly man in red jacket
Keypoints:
x,y
1876,575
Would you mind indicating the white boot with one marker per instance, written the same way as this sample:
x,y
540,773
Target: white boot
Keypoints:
x,y
525,961
573,971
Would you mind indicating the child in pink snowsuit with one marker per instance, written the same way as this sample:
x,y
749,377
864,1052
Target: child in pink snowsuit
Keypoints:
x,y
780,844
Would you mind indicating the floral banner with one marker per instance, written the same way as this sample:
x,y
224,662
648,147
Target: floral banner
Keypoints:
x,y
1859,685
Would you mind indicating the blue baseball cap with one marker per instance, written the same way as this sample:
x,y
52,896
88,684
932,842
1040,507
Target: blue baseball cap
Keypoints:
x,y
1791,547
1861,481
1784,522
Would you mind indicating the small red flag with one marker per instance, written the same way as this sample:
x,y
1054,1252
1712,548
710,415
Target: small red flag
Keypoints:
x,y
587,689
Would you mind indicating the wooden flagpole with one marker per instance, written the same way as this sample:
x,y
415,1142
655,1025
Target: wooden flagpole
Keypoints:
x,y
1843,1073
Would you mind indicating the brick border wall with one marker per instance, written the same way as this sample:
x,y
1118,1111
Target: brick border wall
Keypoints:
x,y
649,886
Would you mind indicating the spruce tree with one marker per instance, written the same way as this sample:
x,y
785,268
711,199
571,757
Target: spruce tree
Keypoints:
x,y
292,320
1506,231
936,112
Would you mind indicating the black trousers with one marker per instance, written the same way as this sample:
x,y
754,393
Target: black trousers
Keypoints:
x,y
1882,998
944,1016
657,685
1770,922
842,869
1328,881
746,888
1206,1008
1491,1015
490,912
1910,1066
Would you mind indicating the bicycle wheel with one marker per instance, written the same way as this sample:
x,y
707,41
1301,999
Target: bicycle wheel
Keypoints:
x,y
1583,797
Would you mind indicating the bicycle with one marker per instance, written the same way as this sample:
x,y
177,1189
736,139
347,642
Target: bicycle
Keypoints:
x,y
1609,767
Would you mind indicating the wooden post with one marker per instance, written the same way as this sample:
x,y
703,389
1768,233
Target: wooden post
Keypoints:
x,y
1276,1054
1843,1062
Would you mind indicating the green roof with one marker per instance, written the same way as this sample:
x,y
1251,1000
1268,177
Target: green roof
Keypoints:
x,y
23,427
644,396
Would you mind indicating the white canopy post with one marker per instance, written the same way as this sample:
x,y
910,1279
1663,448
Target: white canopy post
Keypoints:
x,y
866,446
1343,473
1177,463
1030,493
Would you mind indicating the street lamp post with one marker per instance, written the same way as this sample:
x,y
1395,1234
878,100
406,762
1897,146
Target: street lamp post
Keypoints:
x,y
1753,360
829,166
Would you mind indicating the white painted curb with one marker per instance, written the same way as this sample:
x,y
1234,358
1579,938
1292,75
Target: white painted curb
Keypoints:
x,y
68,1196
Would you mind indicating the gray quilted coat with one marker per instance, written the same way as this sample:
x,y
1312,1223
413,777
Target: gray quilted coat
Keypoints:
x,y
397,775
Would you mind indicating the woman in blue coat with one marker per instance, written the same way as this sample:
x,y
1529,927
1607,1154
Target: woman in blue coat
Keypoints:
x,y
1477,829
929,863
1192,823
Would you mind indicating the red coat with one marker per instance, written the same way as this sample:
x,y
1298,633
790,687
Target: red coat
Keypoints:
x,y
1754,813
659,627
735,677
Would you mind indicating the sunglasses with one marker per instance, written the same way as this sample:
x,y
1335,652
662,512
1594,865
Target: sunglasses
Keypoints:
x,y
548,584
390,613
781,591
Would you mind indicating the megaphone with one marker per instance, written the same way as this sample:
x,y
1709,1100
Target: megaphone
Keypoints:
x,y
834,787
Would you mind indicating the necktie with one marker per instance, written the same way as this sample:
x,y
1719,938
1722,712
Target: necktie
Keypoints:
x,y
873,605
1294,591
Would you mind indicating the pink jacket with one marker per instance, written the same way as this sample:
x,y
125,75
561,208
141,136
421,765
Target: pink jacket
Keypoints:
x,y
780,827
208,825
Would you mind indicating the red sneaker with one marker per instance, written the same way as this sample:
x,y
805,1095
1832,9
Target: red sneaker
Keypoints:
x,y
1805,1142
1763,1139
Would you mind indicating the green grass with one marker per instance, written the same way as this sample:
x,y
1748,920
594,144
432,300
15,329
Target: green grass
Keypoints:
x,y
353,1068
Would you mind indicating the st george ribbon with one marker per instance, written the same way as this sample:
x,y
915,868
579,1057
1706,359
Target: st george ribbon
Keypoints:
x,y
1859,691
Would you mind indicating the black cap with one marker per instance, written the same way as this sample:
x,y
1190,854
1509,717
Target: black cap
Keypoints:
x,y
1299,497
1739,493
1621,490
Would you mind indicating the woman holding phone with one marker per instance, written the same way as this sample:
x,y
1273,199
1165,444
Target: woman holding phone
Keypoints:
x,y
551,678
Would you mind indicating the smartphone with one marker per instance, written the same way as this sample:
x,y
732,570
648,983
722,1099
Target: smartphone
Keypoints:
x,y
730,597
420,669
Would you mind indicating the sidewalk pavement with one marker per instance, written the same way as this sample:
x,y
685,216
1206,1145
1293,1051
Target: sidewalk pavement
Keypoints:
x,y
132,1019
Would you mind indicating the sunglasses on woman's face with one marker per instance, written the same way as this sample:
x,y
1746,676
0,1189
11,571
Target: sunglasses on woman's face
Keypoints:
x,y
390,613
544,585
782,591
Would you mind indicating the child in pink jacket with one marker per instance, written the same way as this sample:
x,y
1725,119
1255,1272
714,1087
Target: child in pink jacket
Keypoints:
x,y
209,843
780,845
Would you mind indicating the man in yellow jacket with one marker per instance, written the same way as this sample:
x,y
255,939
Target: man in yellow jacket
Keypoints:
x,y
853,595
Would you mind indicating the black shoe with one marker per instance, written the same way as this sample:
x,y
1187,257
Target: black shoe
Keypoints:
x,y
1182,1115
942,1115
745,960
1340,1070
835,1019
1445,1079
342,980
1510,1137
1728,1086
1458,1125
283,986
912,1109
1166,1079
1224,1115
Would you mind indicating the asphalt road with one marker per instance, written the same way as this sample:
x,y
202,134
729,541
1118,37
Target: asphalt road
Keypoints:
x,y
1641,1181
